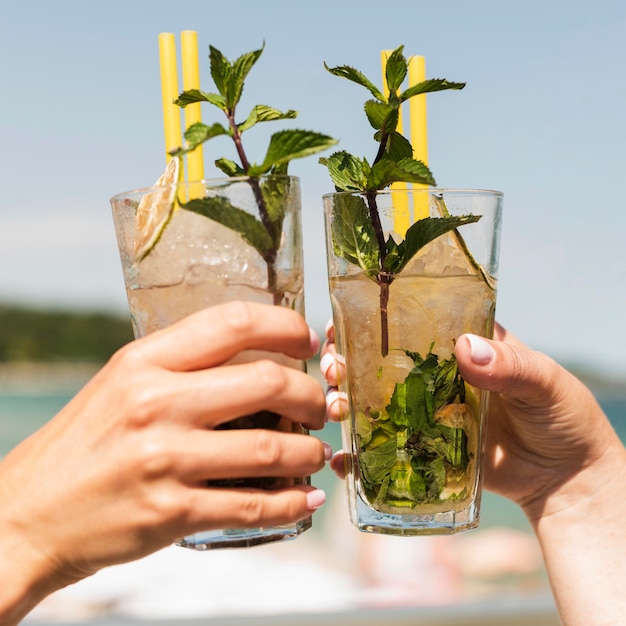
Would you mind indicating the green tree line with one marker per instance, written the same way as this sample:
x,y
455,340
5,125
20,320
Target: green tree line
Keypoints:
x,y
30,334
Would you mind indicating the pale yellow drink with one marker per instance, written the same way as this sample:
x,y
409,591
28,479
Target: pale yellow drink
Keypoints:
x,y
426,315
402,295
191,262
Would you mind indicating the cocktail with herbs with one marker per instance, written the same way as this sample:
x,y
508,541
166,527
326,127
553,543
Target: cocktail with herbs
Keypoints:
x,y
187,245
400,298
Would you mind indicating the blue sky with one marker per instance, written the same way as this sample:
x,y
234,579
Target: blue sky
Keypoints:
x,y
541,119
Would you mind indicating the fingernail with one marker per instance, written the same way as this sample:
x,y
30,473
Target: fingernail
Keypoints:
x,y
328,328
315,499
314,340
481,352
328,451
326,362
335,396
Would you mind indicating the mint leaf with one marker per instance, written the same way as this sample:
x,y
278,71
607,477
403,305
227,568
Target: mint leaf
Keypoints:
x,y
435,475
222,211
220,69
406,457
275,192
448,384
230,168
198,133
345,71
353,236
263,113
419,234
376,462
400,148
411,403
455,446
195,95
287,145
239,72
229,77
363,429
381,115
347,172
387,171
429,86
395,70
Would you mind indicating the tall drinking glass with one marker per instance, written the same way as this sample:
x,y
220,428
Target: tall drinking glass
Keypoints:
x,y
229,239
401,294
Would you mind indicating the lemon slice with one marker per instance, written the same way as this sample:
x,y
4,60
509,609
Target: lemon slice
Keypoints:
x,y
155,211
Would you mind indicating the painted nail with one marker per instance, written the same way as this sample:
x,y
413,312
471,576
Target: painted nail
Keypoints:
x,y
314,341
315,499
336,401
481,352
326,362
328,451
336,396
328,328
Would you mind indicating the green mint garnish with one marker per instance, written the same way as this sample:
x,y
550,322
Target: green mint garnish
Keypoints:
x,y
284,146
406,454
359,236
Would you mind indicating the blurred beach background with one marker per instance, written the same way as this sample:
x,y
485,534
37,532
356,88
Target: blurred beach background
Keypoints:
x,y
541,119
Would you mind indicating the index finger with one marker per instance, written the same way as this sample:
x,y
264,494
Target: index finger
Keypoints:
x,y
216,334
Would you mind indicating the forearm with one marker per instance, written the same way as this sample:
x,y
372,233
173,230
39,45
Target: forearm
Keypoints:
x,y
583,538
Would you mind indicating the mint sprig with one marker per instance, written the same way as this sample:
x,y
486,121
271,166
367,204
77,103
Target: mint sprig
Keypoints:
x,y
284,146
229,78
357,232
406,453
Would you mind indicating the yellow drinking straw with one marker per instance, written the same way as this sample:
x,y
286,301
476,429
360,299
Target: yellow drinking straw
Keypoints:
x,y
191,80
169,93
419,140
419,131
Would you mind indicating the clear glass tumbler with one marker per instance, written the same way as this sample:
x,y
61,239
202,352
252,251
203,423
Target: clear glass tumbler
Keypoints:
x,y
227,239
409,272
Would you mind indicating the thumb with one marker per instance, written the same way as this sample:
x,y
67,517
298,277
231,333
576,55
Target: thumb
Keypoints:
x,y
510,368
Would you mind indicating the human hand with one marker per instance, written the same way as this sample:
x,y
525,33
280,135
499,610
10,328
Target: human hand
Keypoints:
x,y
120,471
544,425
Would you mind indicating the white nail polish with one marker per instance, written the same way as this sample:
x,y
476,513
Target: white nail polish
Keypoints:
x,y
336,396
481,352
326,362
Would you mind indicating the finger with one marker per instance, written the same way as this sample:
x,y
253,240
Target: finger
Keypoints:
x,y
510,368
216,334
337,406
249,508
339,463
330,331
214,455
332,365
211,397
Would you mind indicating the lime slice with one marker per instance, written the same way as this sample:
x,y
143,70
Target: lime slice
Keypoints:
x,y
155,211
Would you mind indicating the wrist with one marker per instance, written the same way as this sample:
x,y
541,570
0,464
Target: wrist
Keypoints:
x,y
592,489
30,574
583,544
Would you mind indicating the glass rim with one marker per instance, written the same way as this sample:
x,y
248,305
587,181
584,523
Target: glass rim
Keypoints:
x,y
430,190
222,181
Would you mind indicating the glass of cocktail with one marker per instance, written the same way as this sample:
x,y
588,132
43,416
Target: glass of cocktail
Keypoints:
x,y
403,290
212,248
